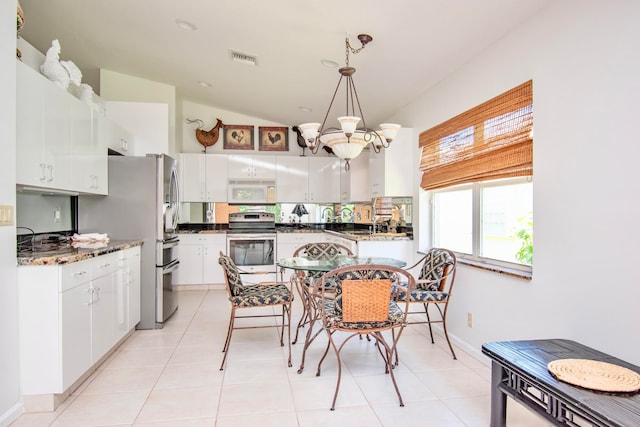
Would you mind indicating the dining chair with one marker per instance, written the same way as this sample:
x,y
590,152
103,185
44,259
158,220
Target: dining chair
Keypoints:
x,y
360,299
315,250
264,294
434,287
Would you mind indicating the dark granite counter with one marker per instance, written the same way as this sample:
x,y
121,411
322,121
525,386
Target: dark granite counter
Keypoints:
x,y
69,254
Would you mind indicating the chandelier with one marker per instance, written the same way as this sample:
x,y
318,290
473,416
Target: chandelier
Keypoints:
x,y
348,141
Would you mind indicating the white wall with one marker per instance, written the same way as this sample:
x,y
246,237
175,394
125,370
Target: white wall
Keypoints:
x,y
10,405
583,58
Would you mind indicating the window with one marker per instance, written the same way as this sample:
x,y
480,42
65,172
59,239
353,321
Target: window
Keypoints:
x,y
488,220
478,167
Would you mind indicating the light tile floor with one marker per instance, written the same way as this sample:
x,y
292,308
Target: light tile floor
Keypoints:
x,y
170,377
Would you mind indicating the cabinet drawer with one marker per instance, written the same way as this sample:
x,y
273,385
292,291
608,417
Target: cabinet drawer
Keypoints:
x,y
103,265
74,274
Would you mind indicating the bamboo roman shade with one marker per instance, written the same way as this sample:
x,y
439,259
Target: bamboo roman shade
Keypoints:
x,y
490,141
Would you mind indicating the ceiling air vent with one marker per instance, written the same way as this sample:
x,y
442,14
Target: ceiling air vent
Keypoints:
x,y
243,58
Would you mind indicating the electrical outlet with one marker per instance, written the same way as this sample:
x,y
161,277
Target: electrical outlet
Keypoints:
x,y
6,215
57,215
470,320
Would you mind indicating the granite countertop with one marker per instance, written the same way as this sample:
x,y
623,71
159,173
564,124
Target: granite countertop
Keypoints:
x,y
69,254
202,231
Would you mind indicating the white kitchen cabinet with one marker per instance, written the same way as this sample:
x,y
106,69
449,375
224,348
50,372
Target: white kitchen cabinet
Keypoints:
x,y
127,291
243,167
204,177
43,141
355,183
103,306
398,249
308,179
57,145
198,255
146,126
391,172
67,321
90,161
118,139
292,179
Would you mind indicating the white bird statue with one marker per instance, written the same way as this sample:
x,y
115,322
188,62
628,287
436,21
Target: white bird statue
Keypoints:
x,y
60,72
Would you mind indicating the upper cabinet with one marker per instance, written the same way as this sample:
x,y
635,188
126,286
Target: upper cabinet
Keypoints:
x,y
43,141
204,177
252,167
391,170
57,143
308,179
355,184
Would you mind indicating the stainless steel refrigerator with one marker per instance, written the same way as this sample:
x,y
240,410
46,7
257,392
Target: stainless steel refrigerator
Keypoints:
x,y
142,205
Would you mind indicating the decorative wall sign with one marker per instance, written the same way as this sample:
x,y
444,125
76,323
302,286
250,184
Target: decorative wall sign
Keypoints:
x,y
238,137
273,138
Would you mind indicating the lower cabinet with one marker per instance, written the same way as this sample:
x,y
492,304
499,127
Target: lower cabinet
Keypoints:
x,y
72,315
198,255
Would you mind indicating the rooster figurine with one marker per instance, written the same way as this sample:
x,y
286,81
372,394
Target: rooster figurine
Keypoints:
x,y
207,138
60,72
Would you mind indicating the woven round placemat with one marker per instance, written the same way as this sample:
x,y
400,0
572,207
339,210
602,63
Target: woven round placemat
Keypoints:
x,y
595,375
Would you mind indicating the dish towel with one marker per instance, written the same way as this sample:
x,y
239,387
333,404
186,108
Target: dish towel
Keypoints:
x,y
89,240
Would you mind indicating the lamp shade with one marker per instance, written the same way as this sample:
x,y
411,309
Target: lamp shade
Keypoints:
x,y
309,132
389,130
348,124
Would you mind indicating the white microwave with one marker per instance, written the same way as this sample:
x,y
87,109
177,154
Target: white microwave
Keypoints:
x,y
252,192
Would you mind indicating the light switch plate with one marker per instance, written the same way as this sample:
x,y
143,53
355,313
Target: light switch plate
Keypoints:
x,y
6,215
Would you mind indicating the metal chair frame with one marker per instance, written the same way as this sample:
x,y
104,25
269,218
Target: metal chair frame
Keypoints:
x,y
444,284
285,316
401,279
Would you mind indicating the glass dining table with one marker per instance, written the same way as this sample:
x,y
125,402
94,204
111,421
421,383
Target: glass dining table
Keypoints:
x,y
320,265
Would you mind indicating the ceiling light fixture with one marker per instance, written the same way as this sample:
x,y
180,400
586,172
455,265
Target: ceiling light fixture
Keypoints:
x,y
348,141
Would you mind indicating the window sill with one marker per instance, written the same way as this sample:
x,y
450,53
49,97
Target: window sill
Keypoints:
x,y
497,269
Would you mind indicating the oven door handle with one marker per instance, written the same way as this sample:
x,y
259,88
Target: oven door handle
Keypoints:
x,y
170,244
171,267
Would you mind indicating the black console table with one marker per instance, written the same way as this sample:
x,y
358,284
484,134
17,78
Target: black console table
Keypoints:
x,y
519,370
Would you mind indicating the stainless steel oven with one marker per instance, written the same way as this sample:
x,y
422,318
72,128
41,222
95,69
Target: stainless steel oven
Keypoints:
x,y
251,244
253,252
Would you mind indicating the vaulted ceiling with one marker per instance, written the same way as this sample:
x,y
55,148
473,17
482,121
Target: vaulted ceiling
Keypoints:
x,y
415,44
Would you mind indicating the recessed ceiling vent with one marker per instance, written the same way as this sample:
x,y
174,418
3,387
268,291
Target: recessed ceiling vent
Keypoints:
x,y
243,58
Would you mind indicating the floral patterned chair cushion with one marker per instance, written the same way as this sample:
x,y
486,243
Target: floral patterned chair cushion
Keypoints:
x,y
253,295
429,283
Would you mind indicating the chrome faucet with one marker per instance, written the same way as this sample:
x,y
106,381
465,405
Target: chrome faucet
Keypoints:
x,y
329,214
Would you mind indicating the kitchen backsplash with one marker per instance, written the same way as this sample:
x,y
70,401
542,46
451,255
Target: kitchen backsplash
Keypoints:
x,y
44,213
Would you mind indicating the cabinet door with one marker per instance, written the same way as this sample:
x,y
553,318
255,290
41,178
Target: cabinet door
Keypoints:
x,y
292,179
240,167
57,153
193,173
355,182
75,333
103,324
252,167
324,180
211,270
264,167
30,169
190,255
82,141
217,177
133,303
100,156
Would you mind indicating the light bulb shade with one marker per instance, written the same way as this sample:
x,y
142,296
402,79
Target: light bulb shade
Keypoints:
x,y
389,130
309,132
342,147
348,124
